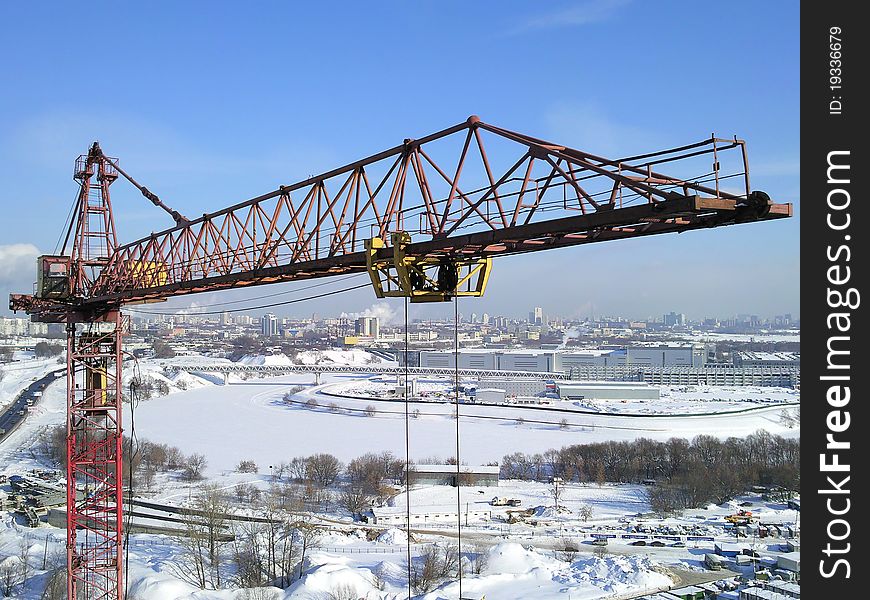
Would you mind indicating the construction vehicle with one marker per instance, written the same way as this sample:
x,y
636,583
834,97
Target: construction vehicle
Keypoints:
x,y
741,517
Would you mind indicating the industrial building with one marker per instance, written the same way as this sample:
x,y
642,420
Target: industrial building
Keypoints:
x,y
490,395
513,387
772,590
592,358
389,515
547,361
607,390
766,359
556,360
709,375
790,561
446,475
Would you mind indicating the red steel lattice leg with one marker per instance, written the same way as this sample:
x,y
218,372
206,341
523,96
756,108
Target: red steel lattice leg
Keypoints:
x,y
94,492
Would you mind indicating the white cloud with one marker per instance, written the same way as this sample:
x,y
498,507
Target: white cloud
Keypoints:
x,y
17,261
586,126
586,13
17,269
382,310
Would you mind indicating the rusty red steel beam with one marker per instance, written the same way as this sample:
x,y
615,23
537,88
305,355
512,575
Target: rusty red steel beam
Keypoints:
x,y
278,237
675,215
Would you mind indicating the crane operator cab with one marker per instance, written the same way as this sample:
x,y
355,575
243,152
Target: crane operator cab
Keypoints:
x,y
53,277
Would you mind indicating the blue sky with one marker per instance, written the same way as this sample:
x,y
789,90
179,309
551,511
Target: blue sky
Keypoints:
x,y
209,103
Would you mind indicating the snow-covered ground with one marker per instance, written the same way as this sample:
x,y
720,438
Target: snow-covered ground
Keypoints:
x,y
250,419
761,336
608,502
675,400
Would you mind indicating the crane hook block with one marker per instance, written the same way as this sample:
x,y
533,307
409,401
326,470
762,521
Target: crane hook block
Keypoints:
x,y
396,273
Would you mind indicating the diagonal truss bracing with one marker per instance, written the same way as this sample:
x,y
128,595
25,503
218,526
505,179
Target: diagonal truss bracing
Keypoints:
x,y
472,190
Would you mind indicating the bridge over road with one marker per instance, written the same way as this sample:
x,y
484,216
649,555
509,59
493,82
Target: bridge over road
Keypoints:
x,y
319,369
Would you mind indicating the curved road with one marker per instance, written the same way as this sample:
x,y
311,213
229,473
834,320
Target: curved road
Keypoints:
x,y
17,411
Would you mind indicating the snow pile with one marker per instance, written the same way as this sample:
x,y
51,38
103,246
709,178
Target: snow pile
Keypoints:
x,y
549,511
511,558
614,574
313,357
160,586
269,360
394,537
514,573
333,576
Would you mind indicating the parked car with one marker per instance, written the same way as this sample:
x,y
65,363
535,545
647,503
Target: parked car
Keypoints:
x,y
638,543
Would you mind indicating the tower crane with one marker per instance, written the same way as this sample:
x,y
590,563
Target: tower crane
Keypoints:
x,y
423,219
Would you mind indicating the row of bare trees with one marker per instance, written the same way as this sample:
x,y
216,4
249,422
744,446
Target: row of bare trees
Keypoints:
x,y
687,472
144,457
17,570
218,550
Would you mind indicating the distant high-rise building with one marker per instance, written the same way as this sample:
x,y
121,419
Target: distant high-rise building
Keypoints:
x,y
485,319
269,325
368,326
536,316
673,319
225,318
474,317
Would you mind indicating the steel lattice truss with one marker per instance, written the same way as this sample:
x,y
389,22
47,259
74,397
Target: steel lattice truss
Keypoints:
x,y
94,508
319,369
472,190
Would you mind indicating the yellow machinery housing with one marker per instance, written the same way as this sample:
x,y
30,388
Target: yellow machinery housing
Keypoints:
x,y
423,278
148,274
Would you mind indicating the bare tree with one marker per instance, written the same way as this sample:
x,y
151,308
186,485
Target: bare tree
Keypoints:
x,y
174,458
297,469
568,550
203,545
370,410
343,591
26,569
9,575
478,558
379,577
193,467
309,537
247,466
433,566
585,512
557,488
260,593
355,500
323,469
55,584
